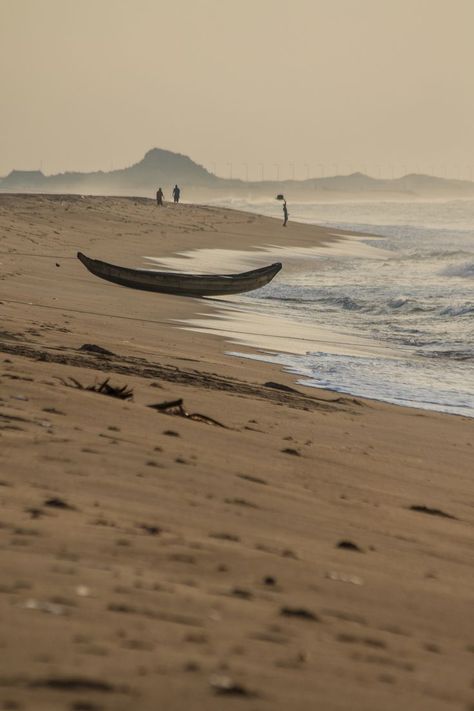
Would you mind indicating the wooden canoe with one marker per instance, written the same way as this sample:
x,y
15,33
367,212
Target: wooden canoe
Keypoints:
x,y
181,284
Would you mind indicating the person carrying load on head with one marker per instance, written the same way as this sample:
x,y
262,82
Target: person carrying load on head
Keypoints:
x,y
285,209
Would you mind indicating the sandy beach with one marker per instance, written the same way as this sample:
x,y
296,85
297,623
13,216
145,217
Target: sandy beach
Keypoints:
x,y
286,548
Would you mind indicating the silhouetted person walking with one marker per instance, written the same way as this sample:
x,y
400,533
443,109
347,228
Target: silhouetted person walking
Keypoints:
x,y
159,197
176,194
285,209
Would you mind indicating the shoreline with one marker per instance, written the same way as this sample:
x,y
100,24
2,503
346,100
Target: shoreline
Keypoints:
x,y
277,339
171,238
306,239
281,540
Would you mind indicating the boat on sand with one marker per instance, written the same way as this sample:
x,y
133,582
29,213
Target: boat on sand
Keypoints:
x,y
181,284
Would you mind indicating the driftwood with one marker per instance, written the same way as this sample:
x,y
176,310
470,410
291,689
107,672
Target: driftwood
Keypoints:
x,y
176,407
104,388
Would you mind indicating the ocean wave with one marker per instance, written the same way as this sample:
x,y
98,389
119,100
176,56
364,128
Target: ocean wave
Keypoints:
x,y
465,270
457,355
416,299
340,302
398,229
446,254
348,303
287,299
423,255
458,310
402,305
399,304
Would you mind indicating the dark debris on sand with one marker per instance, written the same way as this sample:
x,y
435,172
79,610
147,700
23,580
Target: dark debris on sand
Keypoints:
x,y
349,546
292,451
176,407
56,503
73,683
431,512
104,388
299,612
98,350
225,686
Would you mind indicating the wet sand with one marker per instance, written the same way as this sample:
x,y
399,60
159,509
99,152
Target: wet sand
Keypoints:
x,y
315,551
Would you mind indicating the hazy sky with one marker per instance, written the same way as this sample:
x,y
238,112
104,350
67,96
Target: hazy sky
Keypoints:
x,y
279,86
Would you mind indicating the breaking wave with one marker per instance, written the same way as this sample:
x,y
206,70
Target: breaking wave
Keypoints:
x,y
465,270
458,310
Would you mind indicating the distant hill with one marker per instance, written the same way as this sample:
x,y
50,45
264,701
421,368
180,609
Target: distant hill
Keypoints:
x,y
156,167
165,168
22,178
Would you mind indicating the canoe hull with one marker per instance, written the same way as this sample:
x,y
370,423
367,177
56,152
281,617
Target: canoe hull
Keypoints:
x,y
181,284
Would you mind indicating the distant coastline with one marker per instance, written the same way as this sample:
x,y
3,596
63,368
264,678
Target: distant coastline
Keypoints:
x,y
162,167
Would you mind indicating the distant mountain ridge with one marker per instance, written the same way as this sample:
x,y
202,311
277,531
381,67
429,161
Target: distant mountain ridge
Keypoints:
x,y
164,168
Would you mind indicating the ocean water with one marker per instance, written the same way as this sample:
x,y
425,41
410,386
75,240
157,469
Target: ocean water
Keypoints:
x,y
406,293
